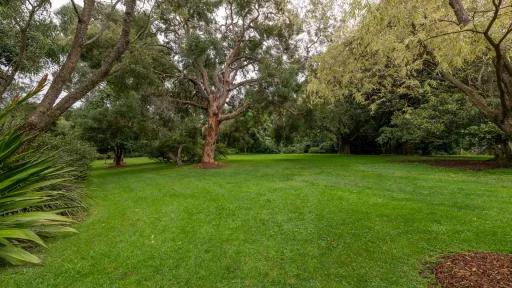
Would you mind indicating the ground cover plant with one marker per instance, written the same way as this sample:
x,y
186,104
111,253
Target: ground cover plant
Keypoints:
x,y
276,220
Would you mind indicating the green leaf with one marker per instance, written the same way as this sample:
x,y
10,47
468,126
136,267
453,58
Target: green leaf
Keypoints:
x,y
17,256
24,234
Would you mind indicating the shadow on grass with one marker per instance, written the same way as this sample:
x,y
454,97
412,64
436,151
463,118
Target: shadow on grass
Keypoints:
x,y
132,168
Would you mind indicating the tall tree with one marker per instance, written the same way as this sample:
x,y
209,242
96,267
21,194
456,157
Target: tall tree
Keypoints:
x,y
53,103
408,43
492,25
222,49
28,40
114,123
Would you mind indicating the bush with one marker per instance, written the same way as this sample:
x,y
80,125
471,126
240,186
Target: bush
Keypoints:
x,y
64,144
29,191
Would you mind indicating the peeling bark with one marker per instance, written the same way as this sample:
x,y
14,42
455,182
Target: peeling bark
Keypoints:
x,y
210,138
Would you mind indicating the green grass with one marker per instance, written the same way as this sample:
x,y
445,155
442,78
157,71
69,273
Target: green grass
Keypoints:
x,y
275,221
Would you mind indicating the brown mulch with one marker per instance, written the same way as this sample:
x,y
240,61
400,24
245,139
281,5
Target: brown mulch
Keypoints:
x,y
474,270
467,164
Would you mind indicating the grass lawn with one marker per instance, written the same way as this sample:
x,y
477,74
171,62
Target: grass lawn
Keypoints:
x,y
275,221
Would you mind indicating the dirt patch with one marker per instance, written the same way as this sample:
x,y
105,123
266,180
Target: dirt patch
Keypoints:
x,y
467,164
215,165
474,270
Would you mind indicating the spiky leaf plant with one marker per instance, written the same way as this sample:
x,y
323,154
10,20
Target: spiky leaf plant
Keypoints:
x,y
27,191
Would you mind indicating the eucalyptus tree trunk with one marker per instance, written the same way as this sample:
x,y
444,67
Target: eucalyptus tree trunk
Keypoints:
x,y
210,136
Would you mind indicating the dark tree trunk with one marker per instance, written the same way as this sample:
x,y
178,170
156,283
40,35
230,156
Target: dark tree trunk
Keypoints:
x,y
345,147
119,157
503,151
210,138
339,140
408,148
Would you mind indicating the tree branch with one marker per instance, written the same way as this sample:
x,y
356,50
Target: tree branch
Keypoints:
x,y
235,113
460,12
243,83
101,73
199,87
473,95
76,10
68,67
190,103
103,24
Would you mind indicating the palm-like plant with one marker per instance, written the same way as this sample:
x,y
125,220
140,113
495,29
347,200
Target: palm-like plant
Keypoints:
x,y
26,195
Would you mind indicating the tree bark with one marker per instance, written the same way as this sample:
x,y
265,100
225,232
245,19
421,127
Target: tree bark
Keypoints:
x,y
345,147
118,157
339,140
408,148
503,151
503,68
460,12
210,137
49,109
177,158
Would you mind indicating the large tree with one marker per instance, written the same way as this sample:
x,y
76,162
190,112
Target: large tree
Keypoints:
x,y
28,42
407,41
225,50
488,23
54,103
114,123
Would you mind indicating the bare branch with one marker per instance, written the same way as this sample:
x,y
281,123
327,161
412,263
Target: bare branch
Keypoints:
x,y
243,83
68,67
190,103
473,95
235,113
454,32
199,87
76,10
103,24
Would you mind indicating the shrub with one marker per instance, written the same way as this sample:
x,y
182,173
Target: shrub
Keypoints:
x,y
66,147
27,194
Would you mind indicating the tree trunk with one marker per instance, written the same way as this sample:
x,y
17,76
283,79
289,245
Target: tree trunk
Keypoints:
x,y
210,138
118,157
459,11
339,147
51,108
408,148
345,147
503,152
177,158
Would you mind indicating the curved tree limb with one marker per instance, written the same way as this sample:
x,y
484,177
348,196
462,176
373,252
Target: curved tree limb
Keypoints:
x,y
235,113
47,111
